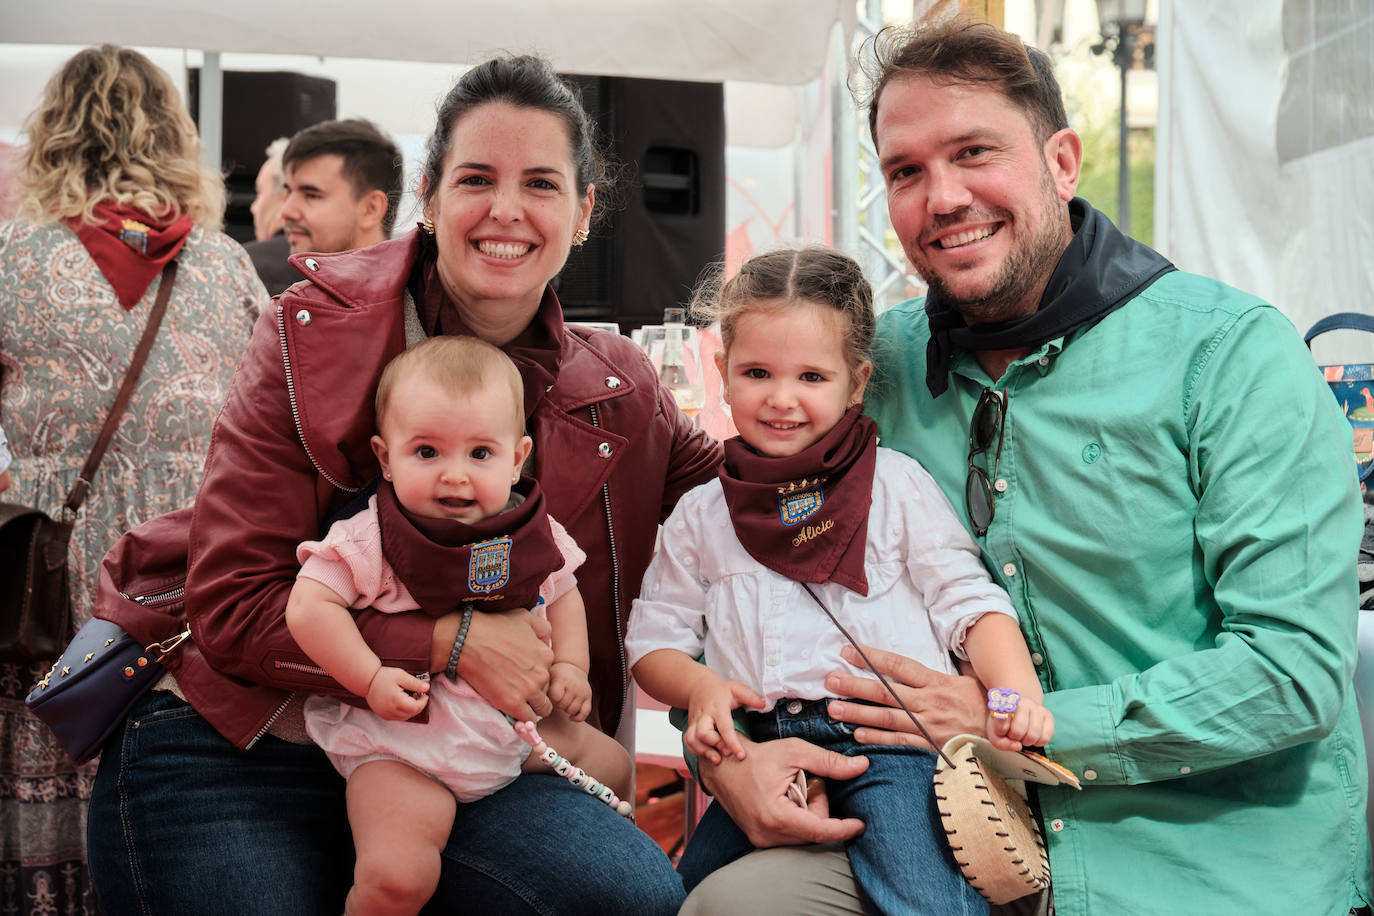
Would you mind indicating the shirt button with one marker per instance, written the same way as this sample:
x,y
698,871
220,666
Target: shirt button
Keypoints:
x,y
1185,770
772,661
612,382
302,317
794,706
1037,659
604,450
1009,569
312,264
1090,774
1001,485
1056,825
1044,360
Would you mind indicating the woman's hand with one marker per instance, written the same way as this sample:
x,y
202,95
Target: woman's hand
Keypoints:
x,y
754,792
946,704
505,659
396,695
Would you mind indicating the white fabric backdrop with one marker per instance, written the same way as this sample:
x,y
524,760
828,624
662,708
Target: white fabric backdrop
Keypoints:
x,y
1298,232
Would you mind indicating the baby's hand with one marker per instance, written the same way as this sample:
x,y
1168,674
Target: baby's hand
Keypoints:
x,y
710,728
569,690
1031,725
396,695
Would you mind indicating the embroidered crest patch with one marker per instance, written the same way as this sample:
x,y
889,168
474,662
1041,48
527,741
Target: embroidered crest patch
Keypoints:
x,y
135,235
489,566
796,506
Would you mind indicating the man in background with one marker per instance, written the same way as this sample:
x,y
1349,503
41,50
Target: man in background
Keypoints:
x,y
343,183
270,248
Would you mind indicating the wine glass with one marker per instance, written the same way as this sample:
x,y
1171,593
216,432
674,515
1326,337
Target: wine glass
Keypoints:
x,y
673,349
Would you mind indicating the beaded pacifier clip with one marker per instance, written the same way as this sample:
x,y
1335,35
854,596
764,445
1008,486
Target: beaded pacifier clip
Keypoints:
x,y
572,774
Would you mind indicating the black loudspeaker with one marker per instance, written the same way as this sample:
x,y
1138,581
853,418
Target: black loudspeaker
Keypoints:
x,y
670,138
259,107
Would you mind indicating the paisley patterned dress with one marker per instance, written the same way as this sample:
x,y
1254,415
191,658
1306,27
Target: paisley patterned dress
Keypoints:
x,y
65,344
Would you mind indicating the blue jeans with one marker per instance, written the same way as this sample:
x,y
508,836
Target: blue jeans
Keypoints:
x,y
181,821
902,862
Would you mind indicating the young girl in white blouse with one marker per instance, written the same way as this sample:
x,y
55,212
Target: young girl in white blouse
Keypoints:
x,y
807,498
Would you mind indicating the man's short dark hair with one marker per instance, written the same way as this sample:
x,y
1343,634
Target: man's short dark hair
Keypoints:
x,y
371,159
962,50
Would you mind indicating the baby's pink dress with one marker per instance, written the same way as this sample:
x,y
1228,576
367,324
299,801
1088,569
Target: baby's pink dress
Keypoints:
x,y
468,745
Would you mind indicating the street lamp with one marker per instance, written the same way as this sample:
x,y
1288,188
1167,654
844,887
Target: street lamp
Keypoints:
x,y
1120,21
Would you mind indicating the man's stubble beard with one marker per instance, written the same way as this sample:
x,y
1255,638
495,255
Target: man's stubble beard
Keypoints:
x,y
1016,290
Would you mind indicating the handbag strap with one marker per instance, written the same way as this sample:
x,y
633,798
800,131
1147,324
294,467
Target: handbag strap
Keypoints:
x,y
1341,321
82,488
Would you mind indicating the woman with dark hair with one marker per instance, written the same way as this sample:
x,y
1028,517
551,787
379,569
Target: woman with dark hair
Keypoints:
x,y
219,760
112,188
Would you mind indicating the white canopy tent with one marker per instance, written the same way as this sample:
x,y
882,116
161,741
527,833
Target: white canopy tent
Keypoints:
x,y
762,41
774,56
780,42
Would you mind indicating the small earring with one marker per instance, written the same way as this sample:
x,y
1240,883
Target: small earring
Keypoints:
x,y
386,474
427,224
581,235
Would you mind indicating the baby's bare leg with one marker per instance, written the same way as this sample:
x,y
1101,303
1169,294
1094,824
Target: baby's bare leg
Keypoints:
x,y
401,820
597,754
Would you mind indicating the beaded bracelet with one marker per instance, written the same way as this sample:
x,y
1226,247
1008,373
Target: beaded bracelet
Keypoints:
x,y
451,669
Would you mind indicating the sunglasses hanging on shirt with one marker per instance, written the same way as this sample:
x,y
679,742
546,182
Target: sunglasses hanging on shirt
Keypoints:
x,y
987,425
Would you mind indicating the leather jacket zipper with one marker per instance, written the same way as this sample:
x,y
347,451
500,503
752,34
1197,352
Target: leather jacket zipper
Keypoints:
x,y
301,667
271,720
160,597
295,409
615,584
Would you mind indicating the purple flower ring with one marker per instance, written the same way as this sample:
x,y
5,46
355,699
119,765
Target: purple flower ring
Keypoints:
x,y
1002,702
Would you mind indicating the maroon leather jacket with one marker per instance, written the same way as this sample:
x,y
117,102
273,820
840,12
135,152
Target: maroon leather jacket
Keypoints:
x,y
611,450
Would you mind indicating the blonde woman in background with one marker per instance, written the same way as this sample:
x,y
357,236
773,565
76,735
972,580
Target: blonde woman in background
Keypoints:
x,y
111,188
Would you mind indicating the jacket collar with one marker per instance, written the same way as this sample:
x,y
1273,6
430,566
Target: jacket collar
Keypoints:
x,y
339,331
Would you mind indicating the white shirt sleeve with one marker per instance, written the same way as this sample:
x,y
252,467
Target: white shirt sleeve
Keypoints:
x,y
670,612
944,561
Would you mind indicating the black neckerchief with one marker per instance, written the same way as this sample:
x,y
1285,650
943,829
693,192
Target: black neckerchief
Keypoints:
x,y
1100,271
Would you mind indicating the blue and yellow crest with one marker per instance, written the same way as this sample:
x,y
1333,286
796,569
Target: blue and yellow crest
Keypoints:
x,y
489,566
135,235
800,500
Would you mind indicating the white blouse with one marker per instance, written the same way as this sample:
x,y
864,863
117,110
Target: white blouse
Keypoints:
x,y
703,592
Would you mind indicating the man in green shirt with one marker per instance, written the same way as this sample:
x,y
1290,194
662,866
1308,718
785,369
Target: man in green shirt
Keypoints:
x,y
1162,482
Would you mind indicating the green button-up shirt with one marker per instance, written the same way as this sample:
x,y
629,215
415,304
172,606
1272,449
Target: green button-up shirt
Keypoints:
x,y
1177,522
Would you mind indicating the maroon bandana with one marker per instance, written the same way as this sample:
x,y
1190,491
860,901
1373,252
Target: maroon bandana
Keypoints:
x,y
130,247
806,516
498,563
536,351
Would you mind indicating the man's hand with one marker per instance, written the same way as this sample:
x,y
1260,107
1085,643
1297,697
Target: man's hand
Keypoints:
x,y
710,726
754,792
396,695
507,662
946,704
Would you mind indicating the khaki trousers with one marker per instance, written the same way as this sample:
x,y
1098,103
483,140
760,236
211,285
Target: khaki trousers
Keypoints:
x,y
804,881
